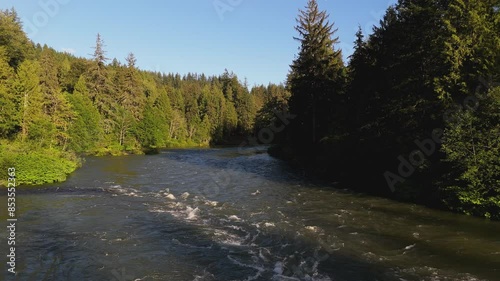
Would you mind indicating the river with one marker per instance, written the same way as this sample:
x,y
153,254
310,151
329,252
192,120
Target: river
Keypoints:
x,y
225,214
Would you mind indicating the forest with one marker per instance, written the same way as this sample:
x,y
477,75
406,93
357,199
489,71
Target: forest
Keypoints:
x,y
414,114
57,107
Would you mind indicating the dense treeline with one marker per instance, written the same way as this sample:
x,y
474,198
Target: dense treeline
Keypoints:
x,y
55,106
416,112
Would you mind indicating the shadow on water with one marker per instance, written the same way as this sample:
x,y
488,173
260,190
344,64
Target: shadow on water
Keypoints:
x,y
436,218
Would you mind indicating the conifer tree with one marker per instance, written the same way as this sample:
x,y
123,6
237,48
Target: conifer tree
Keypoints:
x,y
55,104
98,82
315,76
471,47
132,96
12,37
9,117
102,92
34,123
85,131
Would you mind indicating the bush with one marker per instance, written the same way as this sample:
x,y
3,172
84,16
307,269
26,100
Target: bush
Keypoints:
x,y
37,166
43,167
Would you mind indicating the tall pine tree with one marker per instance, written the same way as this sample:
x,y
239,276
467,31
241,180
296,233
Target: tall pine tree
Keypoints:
x,y
100,87
315,78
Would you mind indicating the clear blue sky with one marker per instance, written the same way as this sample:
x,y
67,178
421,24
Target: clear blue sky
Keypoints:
x,y
253,38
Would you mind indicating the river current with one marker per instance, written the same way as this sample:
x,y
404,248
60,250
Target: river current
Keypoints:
x,y
227,214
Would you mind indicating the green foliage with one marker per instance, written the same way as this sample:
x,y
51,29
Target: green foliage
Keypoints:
x,y
6,158
472,146
424,60
34,123
9,117
85,132
36,166
275,99
13,39
230,118
151,130
45,166
55,103
471,45
239,109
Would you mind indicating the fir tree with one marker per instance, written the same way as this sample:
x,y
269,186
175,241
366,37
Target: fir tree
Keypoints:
x,y
12,37
35,124
9,117
55,104
85,131
98,81
315,76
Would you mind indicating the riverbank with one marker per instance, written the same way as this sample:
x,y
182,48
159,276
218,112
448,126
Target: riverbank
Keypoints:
x,y
38,166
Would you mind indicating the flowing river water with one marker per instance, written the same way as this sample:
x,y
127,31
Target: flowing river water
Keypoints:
x,y
219,214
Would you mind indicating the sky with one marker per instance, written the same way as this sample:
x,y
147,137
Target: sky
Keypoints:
x,y
252,38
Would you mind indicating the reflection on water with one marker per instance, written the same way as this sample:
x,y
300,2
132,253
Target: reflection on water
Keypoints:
x,y
221,215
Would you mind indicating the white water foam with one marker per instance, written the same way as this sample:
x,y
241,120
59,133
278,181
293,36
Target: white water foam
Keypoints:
x,y
119,190
410,247
170,196
211,203
314,229
256,192
234,218
185,195
226,238
192,214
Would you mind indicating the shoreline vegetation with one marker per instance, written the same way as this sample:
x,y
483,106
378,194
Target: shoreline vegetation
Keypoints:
x,y
57,107
414,115
39,166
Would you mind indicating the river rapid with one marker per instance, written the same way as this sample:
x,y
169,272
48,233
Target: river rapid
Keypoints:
x,y
227,214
